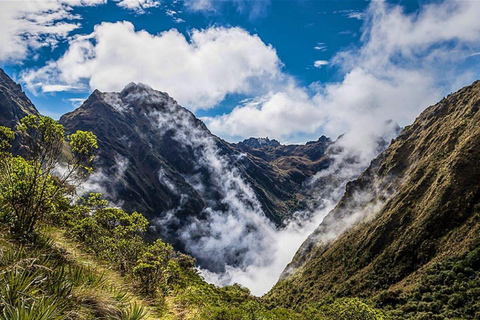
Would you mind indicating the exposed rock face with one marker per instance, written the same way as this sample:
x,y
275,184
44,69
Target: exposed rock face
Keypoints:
x,y
14,104
415,206
260,143
157,158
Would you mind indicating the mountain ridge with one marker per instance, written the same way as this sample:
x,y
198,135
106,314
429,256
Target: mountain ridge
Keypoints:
x,y
424,198
14,103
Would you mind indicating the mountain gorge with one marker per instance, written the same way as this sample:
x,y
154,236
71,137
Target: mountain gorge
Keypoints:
x,y
198,190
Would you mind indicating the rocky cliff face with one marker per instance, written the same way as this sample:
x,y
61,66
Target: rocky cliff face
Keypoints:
x,y
414,209
14,104
157,158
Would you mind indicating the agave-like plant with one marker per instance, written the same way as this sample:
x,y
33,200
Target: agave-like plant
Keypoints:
x,y
45,308
132,312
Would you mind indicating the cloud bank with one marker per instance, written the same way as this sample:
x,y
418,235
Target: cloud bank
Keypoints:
x,y
405,62
199,72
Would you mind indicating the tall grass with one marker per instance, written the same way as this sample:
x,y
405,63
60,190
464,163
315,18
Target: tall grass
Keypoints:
x,y
38,282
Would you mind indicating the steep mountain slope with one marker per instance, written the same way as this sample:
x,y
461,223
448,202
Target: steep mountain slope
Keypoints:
x,y
14,104
157,158
299,162
415,208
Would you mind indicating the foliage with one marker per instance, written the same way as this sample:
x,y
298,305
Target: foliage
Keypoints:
x,y
111,233
448,289
30,186
40,283
343,309
26,194
83,145
152,269
340,309
6,137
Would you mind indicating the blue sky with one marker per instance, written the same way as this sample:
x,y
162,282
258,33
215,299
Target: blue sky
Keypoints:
x,y
288,69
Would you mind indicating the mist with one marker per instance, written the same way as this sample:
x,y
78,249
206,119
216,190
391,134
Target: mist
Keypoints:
x,y
232,239
238,244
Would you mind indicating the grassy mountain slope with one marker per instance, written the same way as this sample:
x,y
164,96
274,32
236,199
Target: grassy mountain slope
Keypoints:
x,y
414,210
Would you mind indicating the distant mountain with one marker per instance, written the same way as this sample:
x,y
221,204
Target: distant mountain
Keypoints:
x,y
407,232
260,143
14,104
157,158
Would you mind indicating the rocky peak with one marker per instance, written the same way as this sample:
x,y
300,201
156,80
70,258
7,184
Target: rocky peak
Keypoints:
x,y
14,104
261,142
323,140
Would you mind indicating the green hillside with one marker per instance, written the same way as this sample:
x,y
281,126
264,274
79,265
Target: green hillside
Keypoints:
x,y
412,243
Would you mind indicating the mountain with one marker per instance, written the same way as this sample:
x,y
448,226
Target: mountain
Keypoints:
x,y
14,104
299,161
157,158
407,231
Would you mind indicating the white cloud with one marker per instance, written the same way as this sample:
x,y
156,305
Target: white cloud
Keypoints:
x,y
352,14
199,72
27,25
276,114
320,63
57,88
253,9
174,15
138,6
405,62
76,102
321,46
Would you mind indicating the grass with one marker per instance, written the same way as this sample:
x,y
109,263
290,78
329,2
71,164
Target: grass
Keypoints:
x,y
53,279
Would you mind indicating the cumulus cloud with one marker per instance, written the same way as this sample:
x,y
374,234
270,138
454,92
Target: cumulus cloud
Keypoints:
x,y
405,62
138,6
199,72
276,114
27,25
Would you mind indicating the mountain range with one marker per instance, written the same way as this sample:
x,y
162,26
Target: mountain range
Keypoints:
x,y
405,233
157,158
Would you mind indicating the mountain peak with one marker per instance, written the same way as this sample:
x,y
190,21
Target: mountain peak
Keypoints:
x,y
14,104
261,142
323,139
136,95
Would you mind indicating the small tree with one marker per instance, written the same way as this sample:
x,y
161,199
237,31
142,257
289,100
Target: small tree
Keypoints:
x,y
152,267
110,232
32,185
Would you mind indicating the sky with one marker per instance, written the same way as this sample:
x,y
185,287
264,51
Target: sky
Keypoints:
x,y
288,69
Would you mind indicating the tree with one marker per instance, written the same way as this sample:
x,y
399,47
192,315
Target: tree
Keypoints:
x,y
31,185
110,232
153,266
